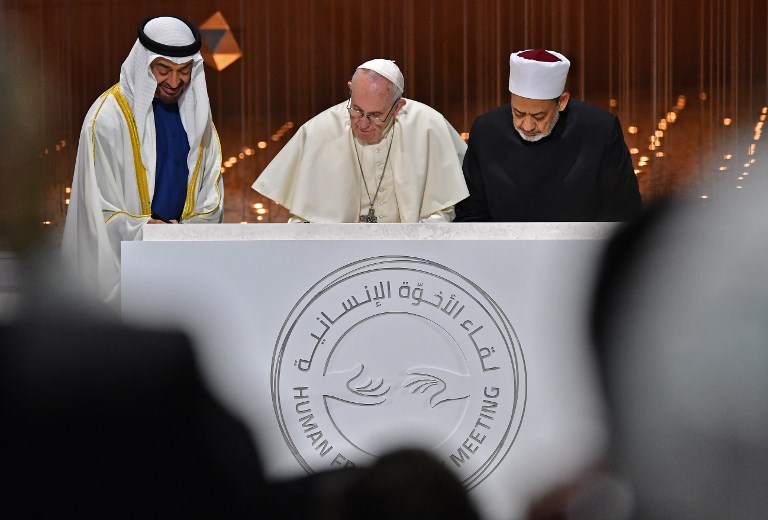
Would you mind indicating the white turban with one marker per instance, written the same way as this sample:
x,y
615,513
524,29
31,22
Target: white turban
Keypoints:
x,y
175,40
538,74
388,69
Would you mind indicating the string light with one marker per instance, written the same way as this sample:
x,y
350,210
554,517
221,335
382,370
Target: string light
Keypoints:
x,y
248,152
750,151
628,81
655,139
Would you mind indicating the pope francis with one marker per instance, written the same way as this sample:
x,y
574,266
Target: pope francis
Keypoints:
x,y
377,157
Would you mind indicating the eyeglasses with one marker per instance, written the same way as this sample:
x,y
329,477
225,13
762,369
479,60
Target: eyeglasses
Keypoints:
x,y
355,113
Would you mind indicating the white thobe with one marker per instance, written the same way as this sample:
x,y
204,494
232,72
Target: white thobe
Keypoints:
x,y
316,175
111,199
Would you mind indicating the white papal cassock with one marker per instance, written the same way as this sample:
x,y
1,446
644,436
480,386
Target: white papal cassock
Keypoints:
x,y
316,175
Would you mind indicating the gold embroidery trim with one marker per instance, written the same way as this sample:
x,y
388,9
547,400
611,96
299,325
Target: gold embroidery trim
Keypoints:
x,y
189,204
141,172
121,212
104,97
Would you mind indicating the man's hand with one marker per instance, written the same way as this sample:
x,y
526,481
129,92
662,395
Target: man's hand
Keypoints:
x,y
159,219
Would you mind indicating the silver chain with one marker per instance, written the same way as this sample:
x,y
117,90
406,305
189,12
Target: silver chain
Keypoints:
x,y
371,216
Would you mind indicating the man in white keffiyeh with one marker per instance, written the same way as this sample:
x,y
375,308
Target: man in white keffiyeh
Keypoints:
x,y
148,154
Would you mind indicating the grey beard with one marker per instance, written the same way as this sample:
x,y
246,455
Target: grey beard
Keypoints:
x,y
542,135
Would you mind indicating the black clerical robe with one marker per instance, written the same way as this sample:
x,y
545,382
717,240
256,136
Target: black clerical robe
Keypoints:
x,y
582,171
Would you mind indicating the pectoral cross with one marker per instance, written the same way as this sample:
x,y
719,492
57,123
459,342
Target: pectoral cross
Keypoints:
x,y
370,218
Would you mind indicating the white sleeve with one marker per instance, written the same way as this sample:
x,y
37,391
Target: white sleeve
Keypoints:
x,y
443,215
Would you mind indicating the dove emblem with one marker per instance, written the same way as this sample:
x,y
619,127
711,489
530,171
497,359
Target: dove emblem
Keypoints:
x,y
440,385
353,387
398,351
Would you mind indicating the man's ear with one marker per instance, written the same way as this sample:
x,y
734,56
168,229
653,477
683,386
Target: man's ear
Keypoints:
x,y
563,101
400,104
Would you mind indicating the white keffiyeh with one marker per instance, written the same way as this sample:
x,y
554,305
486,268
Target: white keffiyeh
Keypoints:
x,y
138,84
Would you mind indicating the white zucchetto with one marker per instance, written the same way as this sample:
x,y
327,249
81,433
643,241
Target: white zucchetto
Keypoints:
x,y
388,69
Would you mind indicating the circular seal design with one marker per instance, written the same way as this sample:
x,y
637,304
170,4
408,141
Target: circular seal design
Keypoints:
x,y
395,350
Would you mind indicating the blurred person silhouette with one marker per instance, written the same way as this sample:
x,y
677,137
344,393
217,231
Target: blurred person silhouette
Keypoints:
x,y
100,419
679,322
105,420
409,484
405,483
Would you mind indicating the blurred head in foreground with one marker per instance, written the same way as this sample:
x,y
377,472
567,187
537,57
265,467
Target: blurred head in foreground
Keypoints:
x,y
21,144
99,419
405,483
680,324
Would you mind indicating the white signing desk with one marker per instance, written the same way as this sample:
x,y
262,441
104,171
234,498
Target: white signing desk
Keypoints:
x,y
337,343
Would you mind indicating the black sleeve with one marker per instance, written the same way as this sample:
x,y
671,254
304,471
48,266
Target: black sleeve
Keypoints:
x,y
619,191
474,208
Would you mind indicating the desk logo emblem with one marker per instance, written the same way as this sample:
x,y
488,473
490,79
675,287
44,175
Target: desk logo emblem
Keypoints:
x,y
398,351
